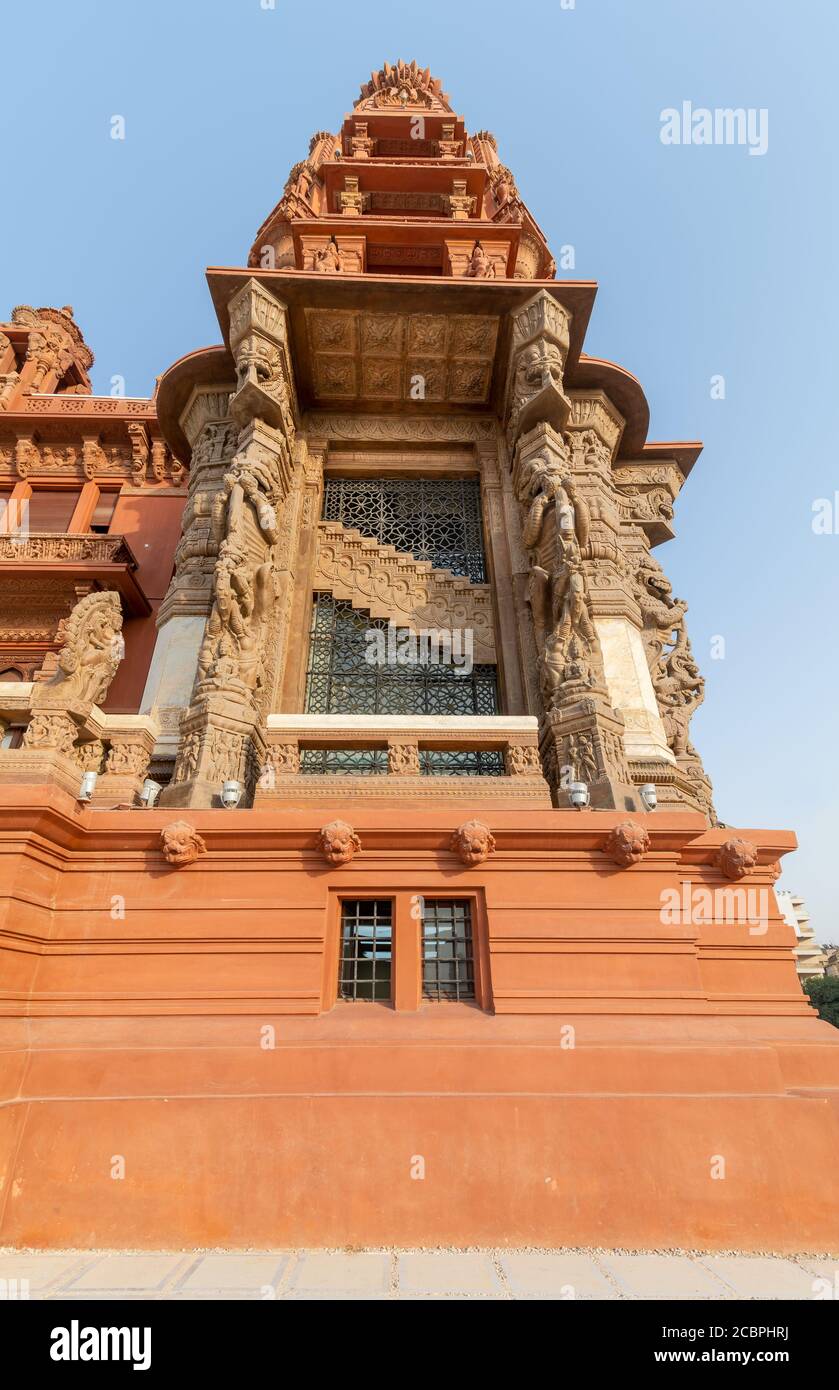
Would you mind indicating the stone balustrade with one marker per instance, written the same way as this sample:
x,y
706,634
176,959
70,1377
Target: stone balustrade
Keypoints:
x,y
118,747
465,757
47,546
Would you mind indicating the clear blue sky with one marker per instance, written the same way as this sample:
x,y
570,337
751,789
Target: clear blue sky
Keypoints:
x,y
709,261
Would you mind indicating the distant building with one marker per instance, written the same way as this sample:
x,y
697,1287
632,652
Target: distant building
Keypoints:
x,y
810,959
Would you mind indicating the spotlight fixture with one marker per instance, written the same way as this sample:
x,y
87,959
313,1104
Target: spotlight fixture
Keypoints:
x,y
231,794
578,795
87,787
649,796
150,792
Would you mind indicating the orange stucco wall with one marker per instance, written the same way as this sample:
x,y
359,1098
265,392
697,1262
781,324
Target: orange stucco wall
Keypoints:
x,y
610,1063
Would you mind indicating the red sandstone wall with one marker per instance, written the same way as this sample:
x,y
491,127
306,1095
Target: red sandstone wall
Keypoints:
x,y
151,524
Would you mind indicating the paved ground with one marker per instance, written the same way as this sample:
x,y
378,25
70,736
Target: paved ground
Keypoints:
x,y
413,1274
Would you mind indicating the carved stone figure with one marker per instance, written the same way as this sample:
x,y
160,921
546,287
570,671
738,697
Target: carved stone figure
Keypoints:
x,y
403,759
539,366
88,661
181,844
627,843
472,842
556,532
329,259
736,857
339,843
523,760
679,687
480,266
662,614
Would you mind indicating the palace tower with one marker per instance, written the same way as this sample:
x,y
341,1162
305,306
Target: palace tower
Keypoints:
x,y
349,807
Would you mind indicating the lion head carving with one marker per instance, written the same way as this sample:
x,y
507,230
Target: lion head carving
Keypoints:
x,y
339,843
627,843
472,842
736,857
181,843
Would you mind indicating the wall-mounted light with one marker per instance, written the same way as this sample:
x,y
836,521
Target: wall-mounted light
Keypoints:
x,y
649,795
578,795
88,786
150,792
231,794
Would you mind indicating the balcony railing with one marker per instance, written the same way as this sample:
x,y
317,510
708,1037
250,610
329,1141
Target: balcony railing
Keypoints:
x,y
404,757
107,559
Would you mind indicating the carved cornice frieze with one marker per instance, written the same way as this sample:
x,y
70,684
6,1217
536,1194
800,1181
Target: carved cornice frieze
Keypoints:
x,y
91,454
60,549
426,429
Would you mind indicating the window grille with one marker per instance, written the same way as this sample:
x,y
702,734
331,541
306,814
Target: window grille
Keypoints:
x,y
344,762
468,762
340,680
448,966
436,519
366,949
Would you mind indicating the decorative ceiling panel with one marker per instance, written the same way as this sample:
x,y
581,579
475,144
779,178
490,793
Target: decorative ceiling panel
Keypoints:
x,y
401,357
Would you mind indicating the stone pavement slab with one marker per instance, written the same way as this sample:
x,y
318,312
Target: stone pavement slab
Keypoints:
x,y
662,1276
363,1272
448,1272
40,1271
247,1273
410,1275
132,1273
542,1274
761,1276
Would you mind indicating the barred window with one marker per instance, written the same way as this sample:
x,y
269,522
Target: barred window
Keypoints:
x,y
436,519
366,949
340,679
448,966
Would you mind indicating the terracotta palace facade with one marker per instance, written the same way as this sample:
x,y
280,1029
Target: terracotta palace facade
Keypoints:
x,y
346,772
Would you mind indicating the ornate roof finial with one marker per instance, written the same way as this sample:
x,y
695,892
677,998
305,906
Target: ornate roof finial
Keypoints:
x,y
402,84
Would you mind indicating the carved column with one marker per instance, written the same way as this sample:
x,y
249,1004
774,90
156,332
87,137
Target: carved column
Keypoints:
x,y
313,454
238,663
185,609
502,526
566,533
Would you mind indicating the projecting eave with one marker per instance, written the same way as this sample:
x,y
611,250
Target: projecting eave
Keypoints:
x,y
311,297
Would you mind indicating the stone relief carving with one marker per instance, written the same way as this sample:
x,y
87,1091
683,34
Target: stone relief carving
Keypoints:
x,y
736,857
523,761
627,843
181,844
480,267
403,759
339,843
88,661
472,842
